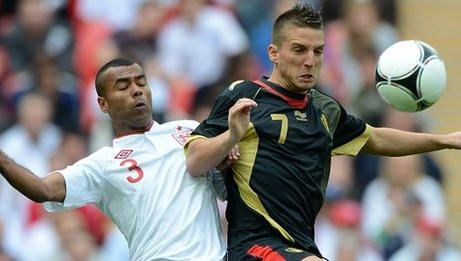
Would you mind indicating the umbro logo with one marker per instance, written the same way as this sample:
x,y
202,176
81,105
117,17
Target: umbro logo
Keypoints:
x,y
301,116
123,154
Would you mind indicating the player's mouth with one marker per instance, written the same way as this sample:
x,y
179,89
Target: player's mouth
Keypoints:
x,y
140,105
307,77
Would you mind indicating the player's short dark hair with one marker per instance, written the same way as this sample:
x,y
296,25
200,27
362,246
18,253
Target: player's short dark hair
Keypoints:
x,y
300,15
112,63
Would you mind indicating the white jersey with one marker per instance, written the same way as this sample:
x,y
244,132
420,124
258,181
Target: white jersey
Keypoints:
x,y
141,183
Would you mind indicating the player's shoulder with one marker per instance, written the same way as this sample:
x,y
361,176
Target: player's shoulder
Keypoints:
x,y
98,158
241,88
322,100
102,153
179,125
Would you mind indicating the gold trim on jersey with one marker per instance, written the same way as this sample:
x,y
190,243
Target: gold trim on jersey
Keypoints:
x,y
232,86
189,140
243,168
353,147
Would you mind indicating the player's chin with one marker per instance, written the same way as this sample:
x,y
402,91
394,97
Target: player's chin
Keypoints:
x,y
141,115
304,87
141,122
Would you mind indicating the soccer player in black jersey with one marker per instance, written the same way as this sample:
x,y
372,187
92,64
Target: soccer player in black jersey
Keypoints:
x,y
287,132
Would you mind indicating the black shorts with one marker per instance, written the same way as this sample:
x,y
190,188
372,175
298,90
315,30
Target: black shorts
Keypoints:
x,y
276,253
267,250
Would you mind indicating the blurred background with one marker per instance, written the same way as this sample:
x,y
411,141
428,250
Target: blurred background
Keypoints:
x,y
376,208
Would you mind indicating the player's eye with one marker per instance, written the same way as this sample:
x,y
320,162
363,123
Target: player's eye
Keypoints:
x,y
298,50
141,81
122,85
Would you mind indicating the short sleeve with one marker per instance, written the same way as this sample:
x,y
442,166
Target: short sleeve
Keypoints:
x,y
350,135
84,182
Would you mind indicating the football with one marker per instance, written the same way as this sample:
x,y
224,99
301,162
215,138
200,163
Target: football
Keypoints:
x,y
410,76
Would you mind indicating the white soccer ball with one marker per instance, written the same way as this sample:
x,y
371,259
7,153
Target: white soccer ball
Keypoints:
x,y
410,76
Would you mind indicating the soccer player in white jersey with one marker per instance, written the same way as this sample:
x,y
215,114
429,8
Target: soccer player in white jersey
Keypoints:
x,y
140,182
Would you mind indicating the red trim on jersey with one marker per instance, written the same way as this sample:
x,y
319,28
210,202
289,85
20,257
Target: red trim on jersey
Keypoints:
x,y
297,104
265,253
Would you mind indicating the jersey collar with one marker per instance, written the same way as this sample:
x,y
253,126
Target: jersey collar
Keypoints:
x,y
127,139
296,100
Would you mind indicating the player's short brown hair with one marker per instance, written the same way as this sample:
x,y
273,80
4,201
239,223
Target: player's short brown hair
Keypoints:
x,y
301,15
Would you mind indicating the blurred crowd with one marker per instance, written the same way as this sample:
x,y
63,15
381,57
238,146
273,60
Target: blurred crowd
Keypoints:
x,y
376,208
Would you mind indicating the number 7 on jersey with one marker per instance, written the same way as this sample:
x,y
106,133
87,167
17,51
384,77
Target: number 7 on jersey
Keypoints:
x,y
284,128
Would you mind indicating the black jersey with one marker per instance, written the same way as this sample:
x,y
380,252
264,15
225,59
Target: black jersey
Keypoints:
x,y
278,185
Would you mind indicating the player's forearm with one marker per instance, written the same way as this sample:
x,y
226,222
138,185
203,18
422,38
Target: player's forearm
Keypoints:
x,y
24,181
206,154
392,142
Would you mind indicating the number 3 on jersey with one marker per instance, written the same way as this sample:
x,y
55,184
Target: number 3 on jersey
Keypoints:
x,y
133,166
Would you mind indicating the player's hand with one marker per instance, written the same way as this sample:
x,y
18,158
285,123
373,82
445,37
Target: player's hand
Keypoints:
x,y
454,140
234,155
239,118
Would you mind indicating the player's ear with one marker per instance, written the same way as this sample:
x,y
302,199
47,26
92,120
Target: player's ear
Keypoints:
x,y
273,53
103,104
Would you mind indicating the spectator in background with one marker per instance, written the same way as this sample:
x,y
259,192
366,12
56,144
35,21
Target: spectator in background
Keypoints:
x,y
260,33
59,87
196,45
74,237
350,43
366,166
428,242
35,28
393,203
31,141
117,14
7,88
338,233
3,255
251,13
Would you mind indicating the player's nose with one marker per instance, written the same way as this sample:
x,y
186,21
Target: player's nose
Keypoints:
x,y
136,90
309,59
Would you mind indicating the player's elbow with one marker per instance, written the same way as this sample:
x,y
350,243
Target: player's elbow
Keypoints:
x,y
193,167
46,194
192,161
52,189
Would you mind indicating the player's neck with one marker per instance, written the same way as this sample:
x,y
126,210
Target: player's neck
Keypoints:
x,y
129,130
277,79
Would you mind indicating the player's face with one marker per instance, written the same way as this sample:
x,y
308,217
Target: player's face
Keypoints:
x,y
127,98
299,58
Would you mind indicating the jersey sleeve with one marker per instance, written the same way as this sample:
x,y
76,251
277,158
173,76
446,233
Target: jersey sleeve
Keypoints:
x,y
350,135
84,181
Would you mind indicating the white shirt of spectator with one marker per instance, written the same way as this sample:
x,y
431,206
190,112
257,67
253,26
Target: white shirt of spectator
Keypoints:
x,y
200,51
141,183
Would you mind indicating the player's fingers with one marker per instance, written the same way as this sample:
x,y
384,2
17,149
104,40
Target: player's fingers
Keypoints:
x,y
243,105
235,152
244,102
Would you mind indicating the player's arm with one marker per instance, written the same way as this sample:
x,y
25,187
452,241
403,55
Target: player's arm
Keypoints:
x,y
51,188
393,142
207,153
